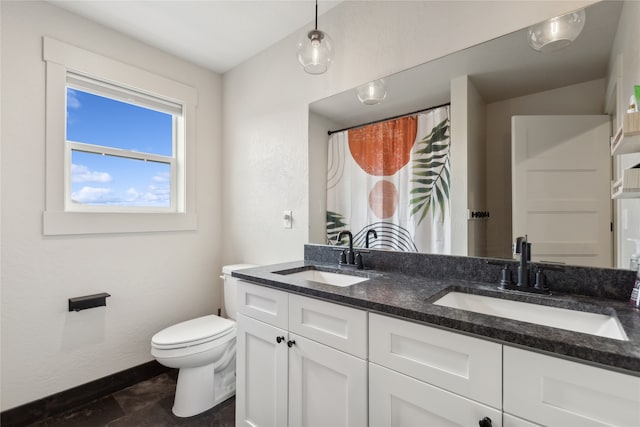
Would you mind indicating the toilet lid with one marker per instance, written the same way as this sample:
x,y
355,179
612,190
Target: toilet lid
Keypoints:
x,y
192,332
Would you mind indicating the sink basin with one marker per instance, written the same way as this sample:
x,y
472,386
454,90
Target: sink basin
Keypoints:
x,y
579,321
326,277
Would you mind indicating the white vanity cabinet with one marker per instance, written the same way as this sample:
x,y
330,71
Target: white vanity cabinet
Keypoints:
x,y
557,392
419,375
300,361
307,362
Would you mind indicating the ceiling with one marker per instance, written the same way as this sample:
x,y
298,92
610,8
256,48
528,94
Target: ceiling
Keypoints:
x,y
214,34
500,69
219,35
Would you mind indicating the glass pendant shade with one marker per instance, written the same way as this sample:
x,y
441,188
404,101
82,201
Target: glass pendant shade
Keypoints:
x,y
315,52
557,33
372,93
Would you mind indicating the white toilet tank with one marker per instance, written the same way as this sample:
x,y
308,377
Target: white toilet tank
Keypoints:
x,y
230,299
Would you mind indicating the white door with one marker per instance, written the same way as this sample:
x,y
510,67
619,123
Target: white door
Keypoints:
x,y
326,387
261,374
396,400
564,206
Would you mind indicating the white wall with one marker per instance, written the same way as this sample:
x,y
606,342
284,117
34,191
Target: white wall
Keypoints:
x,y
583,98
476,173
155,279
460,159
468,237
318,151
266,99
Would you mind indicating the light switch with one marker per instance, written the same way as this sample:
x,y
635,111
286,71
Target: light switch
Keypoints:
x,y
287,219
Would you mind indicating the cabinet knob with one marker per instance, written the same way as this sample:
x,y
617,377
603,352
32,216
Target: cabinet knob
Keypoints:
x,y
279,339
485,422
291,343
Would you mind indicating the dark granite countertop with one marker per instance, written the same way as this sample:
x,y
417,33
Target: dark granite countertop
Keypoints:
x,y
411,297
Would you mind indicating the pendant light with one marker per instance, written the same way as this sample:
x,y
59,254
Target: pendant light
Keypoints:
x,y
372,93
315,50
557,33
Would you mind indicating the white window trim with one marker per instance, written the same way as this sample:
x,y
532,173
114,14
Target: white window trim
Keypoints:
x,y
62,58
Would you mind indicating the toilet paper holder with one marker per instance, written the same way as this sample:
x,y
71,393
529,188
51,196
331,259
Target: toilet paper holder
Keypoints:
x,y
88,301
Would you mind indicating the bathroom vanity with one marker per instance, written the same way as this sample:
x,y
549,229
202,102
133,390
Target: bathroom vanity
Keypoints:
x,y
383,352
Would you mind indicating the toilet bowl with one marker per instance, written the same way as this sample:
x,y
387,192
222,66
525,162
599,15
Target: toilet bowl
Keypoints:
x,y
203,350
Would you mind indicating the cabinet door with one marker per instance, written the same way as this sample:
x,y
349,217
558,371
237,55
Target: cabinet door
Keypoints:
x,y
557,392
511,421
326,387
464,365
261,374
396,400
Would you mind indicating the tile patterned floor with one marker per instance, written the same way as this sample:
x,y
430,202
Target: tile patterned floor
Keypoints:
x,y
146,404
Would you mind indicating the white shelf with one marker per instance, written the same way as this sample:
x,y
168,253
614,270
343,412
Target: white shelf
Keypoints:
x,y
627,194
627,138
628,186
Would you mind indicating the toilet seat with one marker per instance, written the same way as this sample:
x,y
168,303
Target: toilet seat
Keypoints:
x,y
193,332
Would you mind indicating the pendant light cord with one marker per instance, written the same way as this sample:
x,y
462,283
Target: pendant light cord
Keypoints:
x,y
316,15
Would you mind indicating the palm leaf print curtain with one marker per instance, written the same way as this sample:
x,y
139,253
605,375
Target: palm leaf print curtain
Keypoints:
x,y
392,177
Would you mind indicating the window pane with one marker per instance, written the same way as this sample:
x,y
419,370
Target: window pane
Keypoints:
x,y
116,181
97,120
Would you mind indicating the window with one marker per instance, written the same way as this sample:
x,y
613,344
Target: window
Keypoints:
x,y
119,157
121,148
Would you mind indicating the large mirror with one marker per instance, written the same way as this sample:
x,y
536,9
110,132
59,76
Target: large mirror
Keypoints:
x,y
511,79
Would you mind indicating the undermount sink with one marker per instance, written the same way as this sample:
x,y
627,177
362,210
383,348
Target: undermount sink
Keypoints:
x,y
326,277
579,321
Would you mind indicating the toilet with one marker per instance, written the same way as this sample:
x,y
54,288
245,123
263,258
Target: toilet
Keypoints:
x,y
204,351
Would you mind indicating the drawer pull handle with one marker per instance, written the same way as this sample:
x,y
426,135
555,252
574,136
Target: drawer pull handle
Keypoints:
x,y
291,343
279,339
485,422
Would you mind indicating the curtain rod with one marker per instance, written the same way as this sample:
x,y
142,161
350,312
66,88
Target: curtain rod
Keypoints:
x,y
388,118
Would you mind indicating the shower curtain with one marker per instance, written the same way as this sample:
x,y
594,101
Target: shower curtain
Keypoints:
x,y
392,177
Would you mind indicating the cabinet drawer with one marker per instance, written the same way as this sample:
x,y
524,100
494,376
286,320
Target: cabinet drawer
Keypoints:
x,y
553,391
464,365
340,327
265,304
396,400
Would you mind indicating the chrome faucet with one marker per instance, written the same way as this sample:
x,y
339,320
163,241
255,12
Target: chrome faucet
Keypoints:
x,y
349,257
375,236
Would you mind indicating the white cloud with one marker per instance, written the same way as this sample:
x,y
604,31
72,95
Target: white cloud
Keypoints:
x,y
161,177
154,196
72,99
132,195
81,173
92,195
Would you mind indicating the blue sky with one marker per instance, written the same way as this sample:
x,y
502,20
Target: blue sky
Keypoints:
x,y
107,180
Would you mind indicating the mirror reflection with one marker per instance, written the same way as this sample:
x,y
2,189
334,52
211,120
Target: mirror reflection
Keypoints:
x,y
518,125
